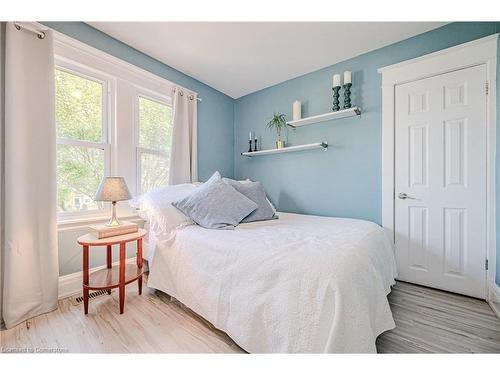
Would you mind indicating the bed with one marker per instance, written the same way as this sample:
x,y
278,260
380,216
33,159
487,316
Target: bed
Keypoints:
x,y
299,284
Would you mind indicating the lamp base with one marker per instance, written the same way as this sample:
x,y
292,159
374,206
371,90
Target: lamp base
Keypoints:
x,y
113,222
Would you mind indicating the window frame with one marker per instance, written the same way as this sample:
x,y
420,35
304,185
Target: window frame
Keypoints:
x,y
155,97
126,79
107,100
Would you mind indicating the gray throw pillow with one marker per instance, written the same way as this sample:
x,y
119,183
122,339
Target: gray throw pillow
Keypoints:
x,y
216,205
254,192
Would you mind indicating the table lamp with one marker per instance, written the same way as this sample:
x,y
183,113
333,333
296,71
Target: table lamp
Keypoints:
x,y
112,189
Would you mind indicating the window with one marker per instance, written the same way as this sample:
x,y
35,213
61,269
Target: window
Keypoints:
x,y
154,143
113,119
82,149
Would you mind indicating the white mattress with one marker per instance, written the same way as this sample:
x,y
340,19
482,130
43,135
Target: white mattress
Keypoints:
x,y
298,284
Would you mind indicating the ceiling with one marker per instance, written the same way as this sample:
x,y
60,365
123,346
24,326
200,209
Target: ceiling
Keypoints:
x,y
239,58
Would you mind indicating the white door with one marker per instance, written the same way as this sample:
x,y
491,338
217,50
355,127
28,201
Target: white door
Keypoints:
x,y
440,181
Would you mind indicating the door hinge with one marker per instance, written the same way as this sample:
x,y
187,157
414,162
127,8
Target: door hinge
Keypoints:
x,y
487,87
486,264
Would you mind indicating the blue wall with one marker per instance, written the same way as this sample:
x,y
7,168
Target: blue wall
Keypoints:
x,y
345,180
215,112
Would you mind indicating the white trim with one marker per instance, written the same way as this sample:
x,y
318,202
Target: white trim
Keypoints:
x,y
446,51
121,68
129,71
477,52
70,285
139,152
157,98
80,143
108,83
154,96
123,82
85,221
494,299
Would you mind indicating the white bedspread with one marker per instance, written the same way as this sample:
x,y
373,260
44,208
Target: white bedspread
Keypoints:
x,y
298,284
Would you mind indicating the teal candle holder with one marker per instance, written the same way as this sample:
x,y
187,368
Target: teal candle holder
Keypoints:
x,y
347,95
336,103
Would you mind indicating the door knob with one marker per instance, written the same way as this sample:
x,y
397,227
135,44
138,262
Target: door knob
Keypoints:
x,y
404,196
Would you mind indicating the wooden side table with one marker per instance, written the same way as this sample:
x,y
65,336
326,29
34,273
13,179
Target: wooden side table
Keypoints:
x,y
111,276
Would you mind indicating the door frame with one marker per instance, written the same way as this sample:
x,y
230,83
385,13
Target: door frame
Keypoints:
x,y
477,52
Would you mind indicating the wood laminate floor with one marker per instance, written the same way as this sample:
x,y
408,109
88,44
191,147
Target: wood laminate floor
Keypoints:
x,y
427,320
433,321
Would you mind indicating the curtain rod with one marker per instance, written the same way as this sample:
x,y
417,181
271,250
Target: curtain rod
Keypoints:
x,y
41,35
20,25
189,92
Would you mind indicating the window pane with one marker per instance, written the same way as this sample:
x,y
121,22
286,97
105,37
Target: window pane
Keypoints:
x,y
155,130
78,107
154,172
79,171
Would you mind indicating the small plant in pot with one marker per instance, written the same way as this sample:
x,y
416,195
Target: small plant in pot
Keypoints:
x,y
278,123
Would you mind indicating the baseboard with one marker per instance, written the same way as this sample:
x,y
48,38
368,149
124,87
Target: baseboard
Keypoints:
x,y
71,284
494,299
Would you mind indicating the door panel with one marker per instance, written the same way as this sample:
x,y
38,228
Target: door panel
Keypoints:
x,y
455,133
418,141
455,227
418,238
440,181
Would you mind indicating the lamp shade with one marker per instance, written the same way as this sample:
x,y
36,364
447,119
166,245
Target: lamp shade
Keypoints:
x,y
112,189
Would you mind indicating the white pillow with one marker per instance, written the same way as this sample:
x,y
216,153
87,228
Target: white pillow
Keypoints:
x,y
156,208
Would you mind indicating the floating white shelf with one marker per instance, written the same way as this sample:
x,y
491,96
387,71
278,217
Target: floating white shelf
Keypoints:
x,y
311,146
350,112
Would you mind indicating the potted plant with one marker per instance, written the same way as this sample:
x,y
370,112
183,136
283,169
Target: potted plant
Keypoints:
x,y
278,122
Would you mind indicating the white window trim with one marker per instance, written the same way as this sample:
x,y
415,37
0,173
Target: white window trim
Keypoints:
x,y
141,151
112,65
67,48
476,52
146,94
108,85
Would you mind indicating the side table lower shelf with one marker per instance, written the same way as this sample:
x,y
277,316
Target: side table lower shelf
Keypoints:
x,y
109,278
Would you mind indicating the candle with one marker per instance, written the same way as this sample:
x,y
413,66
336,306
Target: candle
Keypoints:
x,y
347,77
297,110
250,136
336,80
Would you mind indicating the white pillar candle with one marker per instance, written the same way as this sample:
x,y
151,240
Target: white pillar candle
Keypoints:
x,y
297,110
336,80
347,77
250,136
